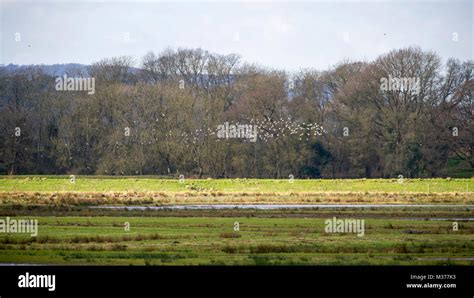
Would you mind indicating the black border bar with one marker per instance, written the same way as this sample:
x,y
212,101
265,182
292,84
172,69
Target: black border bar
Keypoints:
x,y
272,281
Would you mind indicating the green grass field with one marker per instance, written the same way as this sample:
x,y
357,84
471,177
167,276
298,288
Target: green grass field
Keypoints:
x,y
101,184
70,232
260,241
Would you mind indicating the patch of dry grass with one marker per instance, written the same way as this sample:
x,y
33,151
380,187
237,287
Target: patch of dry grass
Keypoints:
x,y
172,198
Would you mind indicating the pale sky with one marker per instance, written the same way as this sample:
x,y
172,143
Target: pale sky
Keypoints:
x,y
286,35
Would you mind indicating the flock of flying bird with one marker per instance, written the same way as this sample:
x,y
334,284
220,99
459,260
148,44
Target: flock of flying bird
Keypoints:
x,y
267,130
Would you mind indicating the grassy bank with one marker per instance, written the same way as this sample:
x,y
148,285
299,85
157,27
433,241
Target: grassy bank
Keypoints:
x,y
148,191
106,184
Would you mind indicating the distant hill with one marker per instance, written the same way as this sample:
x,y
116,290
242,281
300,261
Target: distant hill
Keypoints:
x,y
56,69
53,70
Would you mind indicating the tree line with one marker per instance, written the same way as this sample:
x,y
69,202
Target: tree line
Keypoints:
x,y
159,116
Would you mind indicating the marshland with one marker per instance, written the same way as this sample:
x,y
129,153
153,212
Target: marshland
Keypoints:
x,y
418,221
